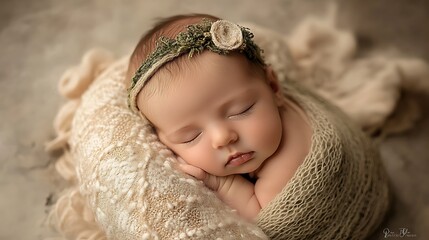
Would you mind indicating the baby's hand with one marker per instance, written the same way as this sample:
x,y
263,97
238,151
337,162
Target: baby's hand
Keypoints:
x,y
209,180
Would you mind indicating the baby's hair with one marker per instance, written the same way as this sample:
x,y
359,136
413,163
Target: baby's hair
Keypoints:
x,y
167,27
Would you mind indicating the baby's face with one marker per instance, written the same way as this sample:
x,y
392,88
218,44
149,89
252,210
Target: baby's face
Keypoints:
x,y
218,115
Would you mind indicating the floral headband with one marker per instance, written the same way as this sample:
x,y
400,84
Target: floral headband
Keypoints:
x,y
220,36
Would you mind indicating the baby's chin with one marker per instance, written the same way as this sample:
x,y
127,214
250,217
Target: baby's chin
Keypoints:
x,y
250,169
228,173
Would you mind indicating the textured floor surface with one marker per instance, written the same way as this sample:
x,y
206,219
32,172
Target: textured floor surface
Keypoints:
x,y
40,39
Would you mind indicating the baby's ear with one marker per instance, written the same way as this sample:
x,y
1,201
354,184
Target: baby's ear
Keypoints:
x,y
271,78
273,82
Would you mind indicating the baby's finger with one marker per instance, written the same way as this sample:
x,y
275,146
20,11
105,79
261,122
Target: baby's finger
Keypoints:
x,y
193,171
180,160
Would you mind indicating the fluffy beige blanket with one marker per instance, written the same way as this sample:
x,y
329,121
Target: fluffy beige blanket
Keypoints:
x,y
103,169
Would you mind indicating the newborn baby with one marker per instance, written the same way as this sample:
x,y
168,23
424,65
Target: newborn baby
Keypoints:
x,y
212,100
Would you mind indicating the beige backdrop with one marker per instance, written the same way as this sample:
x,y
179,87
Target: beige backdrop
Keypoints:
x,y
40,39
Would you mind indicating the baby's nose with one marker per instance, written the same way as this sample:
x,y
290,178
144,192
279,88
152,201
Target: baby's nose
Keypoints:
x,y
223,136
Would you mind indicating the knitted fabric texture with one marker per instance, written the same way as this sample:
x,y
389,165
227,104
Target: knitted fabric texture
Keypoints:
x,y
340,191
125,186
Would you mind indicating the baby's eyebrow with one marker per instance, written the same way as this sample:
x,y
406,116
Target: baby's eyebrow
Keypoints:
x,y
179,131
158,130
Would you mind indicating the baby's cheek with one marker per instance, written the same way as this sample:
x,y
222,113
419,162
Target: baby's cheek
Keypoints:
x,y
268,134
196,156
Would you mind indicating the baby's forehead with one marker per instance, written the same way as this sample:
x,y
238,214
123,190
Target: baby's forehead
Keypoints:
x,y
185,70
202,70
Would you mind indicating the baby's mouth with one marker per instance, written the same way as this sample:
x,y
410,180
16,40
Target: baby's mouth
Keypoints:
x,y
239,158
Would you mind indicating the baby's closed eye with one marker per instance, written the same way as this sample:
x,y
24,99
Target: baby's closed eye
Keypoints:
x,y
191,138
246,110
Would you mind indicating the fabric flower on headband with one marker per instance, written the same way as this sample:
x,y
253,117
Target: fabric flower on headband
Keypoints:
x,y
220,36
226,35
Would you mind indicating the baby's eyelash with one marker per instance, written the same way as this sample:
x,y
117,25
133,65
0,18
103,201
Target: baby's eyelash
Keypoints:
x,y
245,110
242,113
191,140
248,109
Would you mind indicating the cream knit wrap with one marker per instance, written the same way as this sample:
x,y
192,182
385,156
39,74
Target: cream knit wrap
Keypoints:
x,y
125,184
340,191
